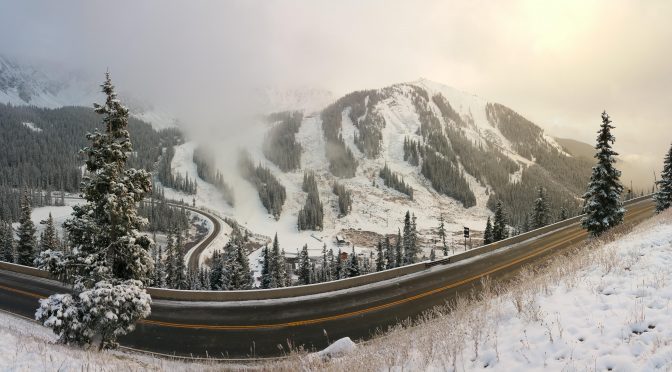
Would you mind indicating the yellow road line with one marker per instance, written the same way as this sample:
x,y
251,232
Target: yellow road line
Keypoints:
x,y
362,311
25,293
579,233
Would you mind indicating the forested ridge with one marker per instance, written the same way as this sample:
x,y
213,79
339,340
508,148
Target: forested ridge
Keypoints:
x,y
46,156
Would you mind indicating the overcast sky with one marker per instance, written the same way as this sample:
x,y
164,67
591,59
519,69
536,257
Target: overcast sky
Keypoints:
x,y
558,63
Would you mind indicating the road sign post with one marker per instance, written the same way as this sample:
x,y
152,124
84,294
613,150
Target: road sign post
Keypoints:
x,y
466,235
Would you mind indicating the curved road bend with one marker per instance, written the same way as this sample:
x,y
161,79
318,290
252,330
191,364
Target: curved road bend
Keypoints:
x,y
197,250
257,327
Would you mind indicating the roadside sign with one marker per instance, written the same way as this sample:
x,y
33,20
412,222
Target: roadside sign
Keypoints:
x,y
466,232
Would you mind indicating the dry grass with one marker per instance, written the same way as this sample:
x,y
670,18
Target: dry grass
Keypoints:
x,y
439,336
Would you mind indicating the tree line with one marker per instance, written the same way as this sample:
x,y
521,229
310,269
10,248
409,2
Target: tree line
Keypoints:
x,y
271,192
311,216
280,145
169,178
344,199
393,180
50,159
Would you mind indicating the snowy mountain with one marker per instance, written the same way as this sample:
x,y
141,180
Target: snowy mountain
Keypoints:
x,y
49,86
21,84
458,153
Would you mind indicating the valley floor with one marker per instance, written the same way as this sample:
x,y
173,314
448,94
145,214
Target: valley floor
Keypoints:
x,y
604,306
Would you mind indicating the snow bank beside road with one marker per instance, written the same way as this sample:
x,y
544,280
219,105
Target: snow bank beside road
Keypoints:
x,y
605,306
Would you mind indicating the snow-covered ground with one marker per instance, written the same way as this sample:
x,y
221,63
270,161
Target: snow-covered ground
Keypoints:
x,y
27,346
604,307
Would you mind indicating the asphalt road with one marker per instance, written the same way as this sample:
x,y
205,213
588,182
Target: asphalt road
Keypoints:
x,y
202,245
267,327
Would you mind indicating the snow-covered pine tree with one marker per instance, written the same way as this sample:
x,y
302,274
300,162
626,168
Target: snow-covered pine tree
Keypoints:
x,y
663,196
159,268
332,265
241,277
304,265
109,263
180,280
26,247
274,266
338,267
49,238
540,214
325,271
266,269
487,234
442,235
602,202
216,275
171,269
432,255
204,278
283,275
314,277
499,229
390,254
407,239
410,239
6,242
563,214
398,249
353,264
380,257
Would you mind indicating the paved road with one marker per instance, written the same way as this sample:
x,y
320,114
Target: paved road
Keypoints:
x,y
195,255
265,327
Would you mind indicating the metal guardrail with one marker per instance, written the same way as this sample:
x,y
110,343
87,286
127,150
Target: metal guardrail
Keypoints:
x,y
313,289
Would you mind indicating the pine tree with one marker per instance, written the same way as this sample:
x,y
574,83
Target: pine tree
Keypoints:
x,y
266,269
398,249
241,277
487,234
390,253
325,273
216,274
275,267
171,268
380,257
602,202
353,264
410,239
338,268
442,235
408,250
49,239
563,214
540,215
432,255
283,274
663,197
109,263
27,244
499,229
180,279
159,269
304,265
6,242
332,266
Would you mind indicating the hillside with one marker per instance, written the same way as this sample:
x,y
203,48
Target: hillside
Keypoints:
x,y
633,175
445,152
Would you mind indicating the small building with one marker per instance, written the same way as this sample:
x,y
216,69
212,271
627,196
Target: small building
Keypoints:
x,y
340,240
